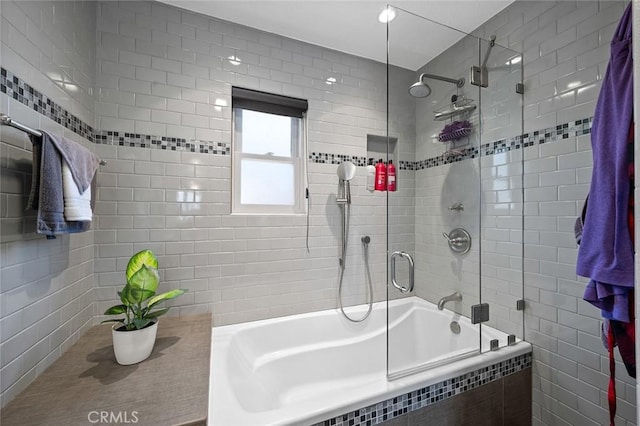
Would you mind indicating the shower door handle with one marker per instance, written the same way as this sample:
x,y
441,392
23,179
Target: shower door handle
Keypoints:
x,y
407,256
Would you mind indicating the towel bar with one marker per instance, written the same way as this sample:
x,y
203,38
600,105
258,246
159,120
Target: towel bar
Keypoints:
x,y
5,120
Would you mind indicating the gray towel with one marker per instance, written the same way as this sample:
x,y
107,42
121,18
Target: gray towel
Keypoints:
x,y
46,188
82,162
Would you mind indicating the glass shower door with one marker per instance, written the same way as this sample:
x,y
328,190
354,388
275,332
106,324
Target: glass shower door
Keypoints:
x,y
434,215
502,207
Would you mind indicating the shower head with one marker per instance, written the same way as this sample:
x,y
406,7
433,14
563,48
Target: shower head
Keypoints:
x,y
346,170
420,89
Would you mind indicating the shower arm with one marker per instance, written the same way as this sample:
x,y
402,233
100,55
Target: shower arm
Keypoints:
x,y
479,74
458,82
492,42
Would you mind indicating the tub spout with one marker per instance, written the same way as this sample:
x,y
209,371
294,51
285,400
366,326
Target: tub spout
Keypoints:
x,y
455,297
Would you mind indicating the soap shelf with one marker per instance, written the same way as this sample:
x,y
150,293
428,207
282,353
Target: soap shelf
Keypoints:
x,y
460,106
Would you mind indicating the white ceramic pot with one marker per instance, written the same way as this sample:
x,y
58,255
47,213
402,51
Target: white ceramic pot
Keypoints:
x,y
132,347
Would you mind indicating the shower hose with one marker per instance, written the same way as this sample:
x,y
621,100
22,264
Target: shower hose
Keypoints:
x,y
365,244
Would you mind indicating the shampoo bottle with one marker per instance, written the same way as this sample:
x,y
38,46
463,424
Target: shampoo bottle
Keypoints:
x,y
371,176
391,176
381,176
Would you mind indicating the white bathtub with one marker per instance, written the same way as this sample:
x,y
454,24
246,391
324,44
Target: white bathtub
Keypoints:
x,y
306,368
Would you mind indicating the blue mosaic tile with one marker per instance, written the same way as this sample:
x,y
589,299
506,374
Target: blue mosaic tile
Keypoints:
x,y
395,407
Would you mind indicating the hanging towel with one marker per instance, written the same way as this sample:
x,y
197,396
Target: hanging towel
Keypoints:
x,y
77,206
46,195
606,251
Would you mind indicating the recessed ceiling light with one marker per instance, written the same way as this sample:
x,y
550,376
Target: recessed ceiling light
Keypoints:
x,y
387,15
330,81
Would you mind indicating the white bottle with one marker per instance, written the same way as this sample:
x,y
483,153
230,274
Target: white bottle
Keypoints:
x,y
371,176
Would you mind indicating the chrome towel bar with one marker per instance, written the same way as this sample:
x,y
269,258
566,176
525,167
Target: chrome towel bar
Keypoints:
x,y
5,120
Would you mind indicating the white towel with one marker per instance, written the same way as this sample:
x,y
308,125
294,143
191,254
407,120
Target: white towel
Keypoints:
x,y
77,207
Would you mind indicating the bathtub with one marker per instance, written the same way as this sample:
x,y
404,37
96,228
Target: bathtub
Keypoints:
x,y
308,368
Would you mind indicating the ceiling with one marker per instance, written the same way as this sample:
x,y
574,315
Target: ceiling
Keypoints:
x,y
353,26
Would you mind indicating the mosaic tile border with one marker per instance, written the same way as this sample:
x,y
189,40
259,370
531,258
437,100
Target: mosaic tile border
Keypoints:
x,y
395,407
326,158
138,140
22,92
17,89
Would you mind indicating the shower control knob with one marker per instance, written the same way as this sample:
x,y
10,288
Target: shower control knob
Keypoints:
x,y
459,240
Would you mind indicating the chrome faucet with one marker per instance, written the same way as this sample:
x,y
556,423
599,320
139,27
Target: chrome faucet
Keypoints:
x,y
455,297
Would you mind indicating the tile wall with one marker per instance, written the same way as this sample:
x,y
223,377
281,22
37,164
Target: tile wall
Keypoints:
x,y
566,49
161,116
165,72
46,286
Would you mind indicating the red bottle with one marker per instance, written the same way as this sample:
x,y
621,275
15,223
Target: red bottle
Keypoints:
x,y
381,176
391,176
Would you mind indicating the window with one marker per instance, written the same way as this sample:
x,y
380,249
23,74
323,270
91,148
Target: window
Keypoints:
x,y
268,153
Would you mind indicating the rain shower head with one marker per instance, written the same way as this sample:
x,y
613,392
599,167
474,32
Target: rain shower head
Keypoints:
x,y
420,89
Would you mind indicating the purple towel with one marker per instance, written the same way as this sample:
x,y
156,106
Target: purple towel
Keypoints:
x,y
606,250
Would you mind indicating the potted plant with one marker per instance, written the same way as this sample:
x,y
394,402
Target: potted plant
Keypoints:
x,y
135,334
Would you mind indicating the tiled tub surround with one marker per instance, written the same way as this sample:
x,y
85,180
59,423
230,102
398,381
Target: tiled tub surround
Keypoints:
x,y
459,401
348,382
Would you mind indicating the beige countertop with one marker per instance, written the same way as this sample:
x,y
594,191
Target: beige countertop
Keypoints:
x,y
86,386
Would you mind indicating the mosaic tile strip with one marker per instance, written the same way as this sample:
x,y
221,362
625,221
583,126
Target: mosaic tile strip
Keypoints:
x,y
138,140
538,137
395,407
19,90
326,158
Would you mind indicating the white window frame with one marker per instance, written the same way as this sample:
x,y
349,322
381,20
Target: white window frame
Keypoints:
x,y
298,154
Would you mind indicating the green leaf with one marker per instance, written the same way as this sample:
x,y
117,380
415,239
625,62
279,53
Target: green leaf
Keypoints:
x,y
145,257
156,314
121,321
141,323
116,310
146,278
139,296
126,297
164,296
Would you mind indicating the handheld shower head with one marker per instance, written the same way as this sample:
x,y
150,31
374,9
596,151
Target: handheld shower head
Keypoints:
x,y
346,171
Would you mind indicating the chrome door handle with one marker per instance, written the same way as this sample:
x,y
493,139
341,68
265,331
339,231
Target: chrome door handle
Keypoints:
x,y
407,256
